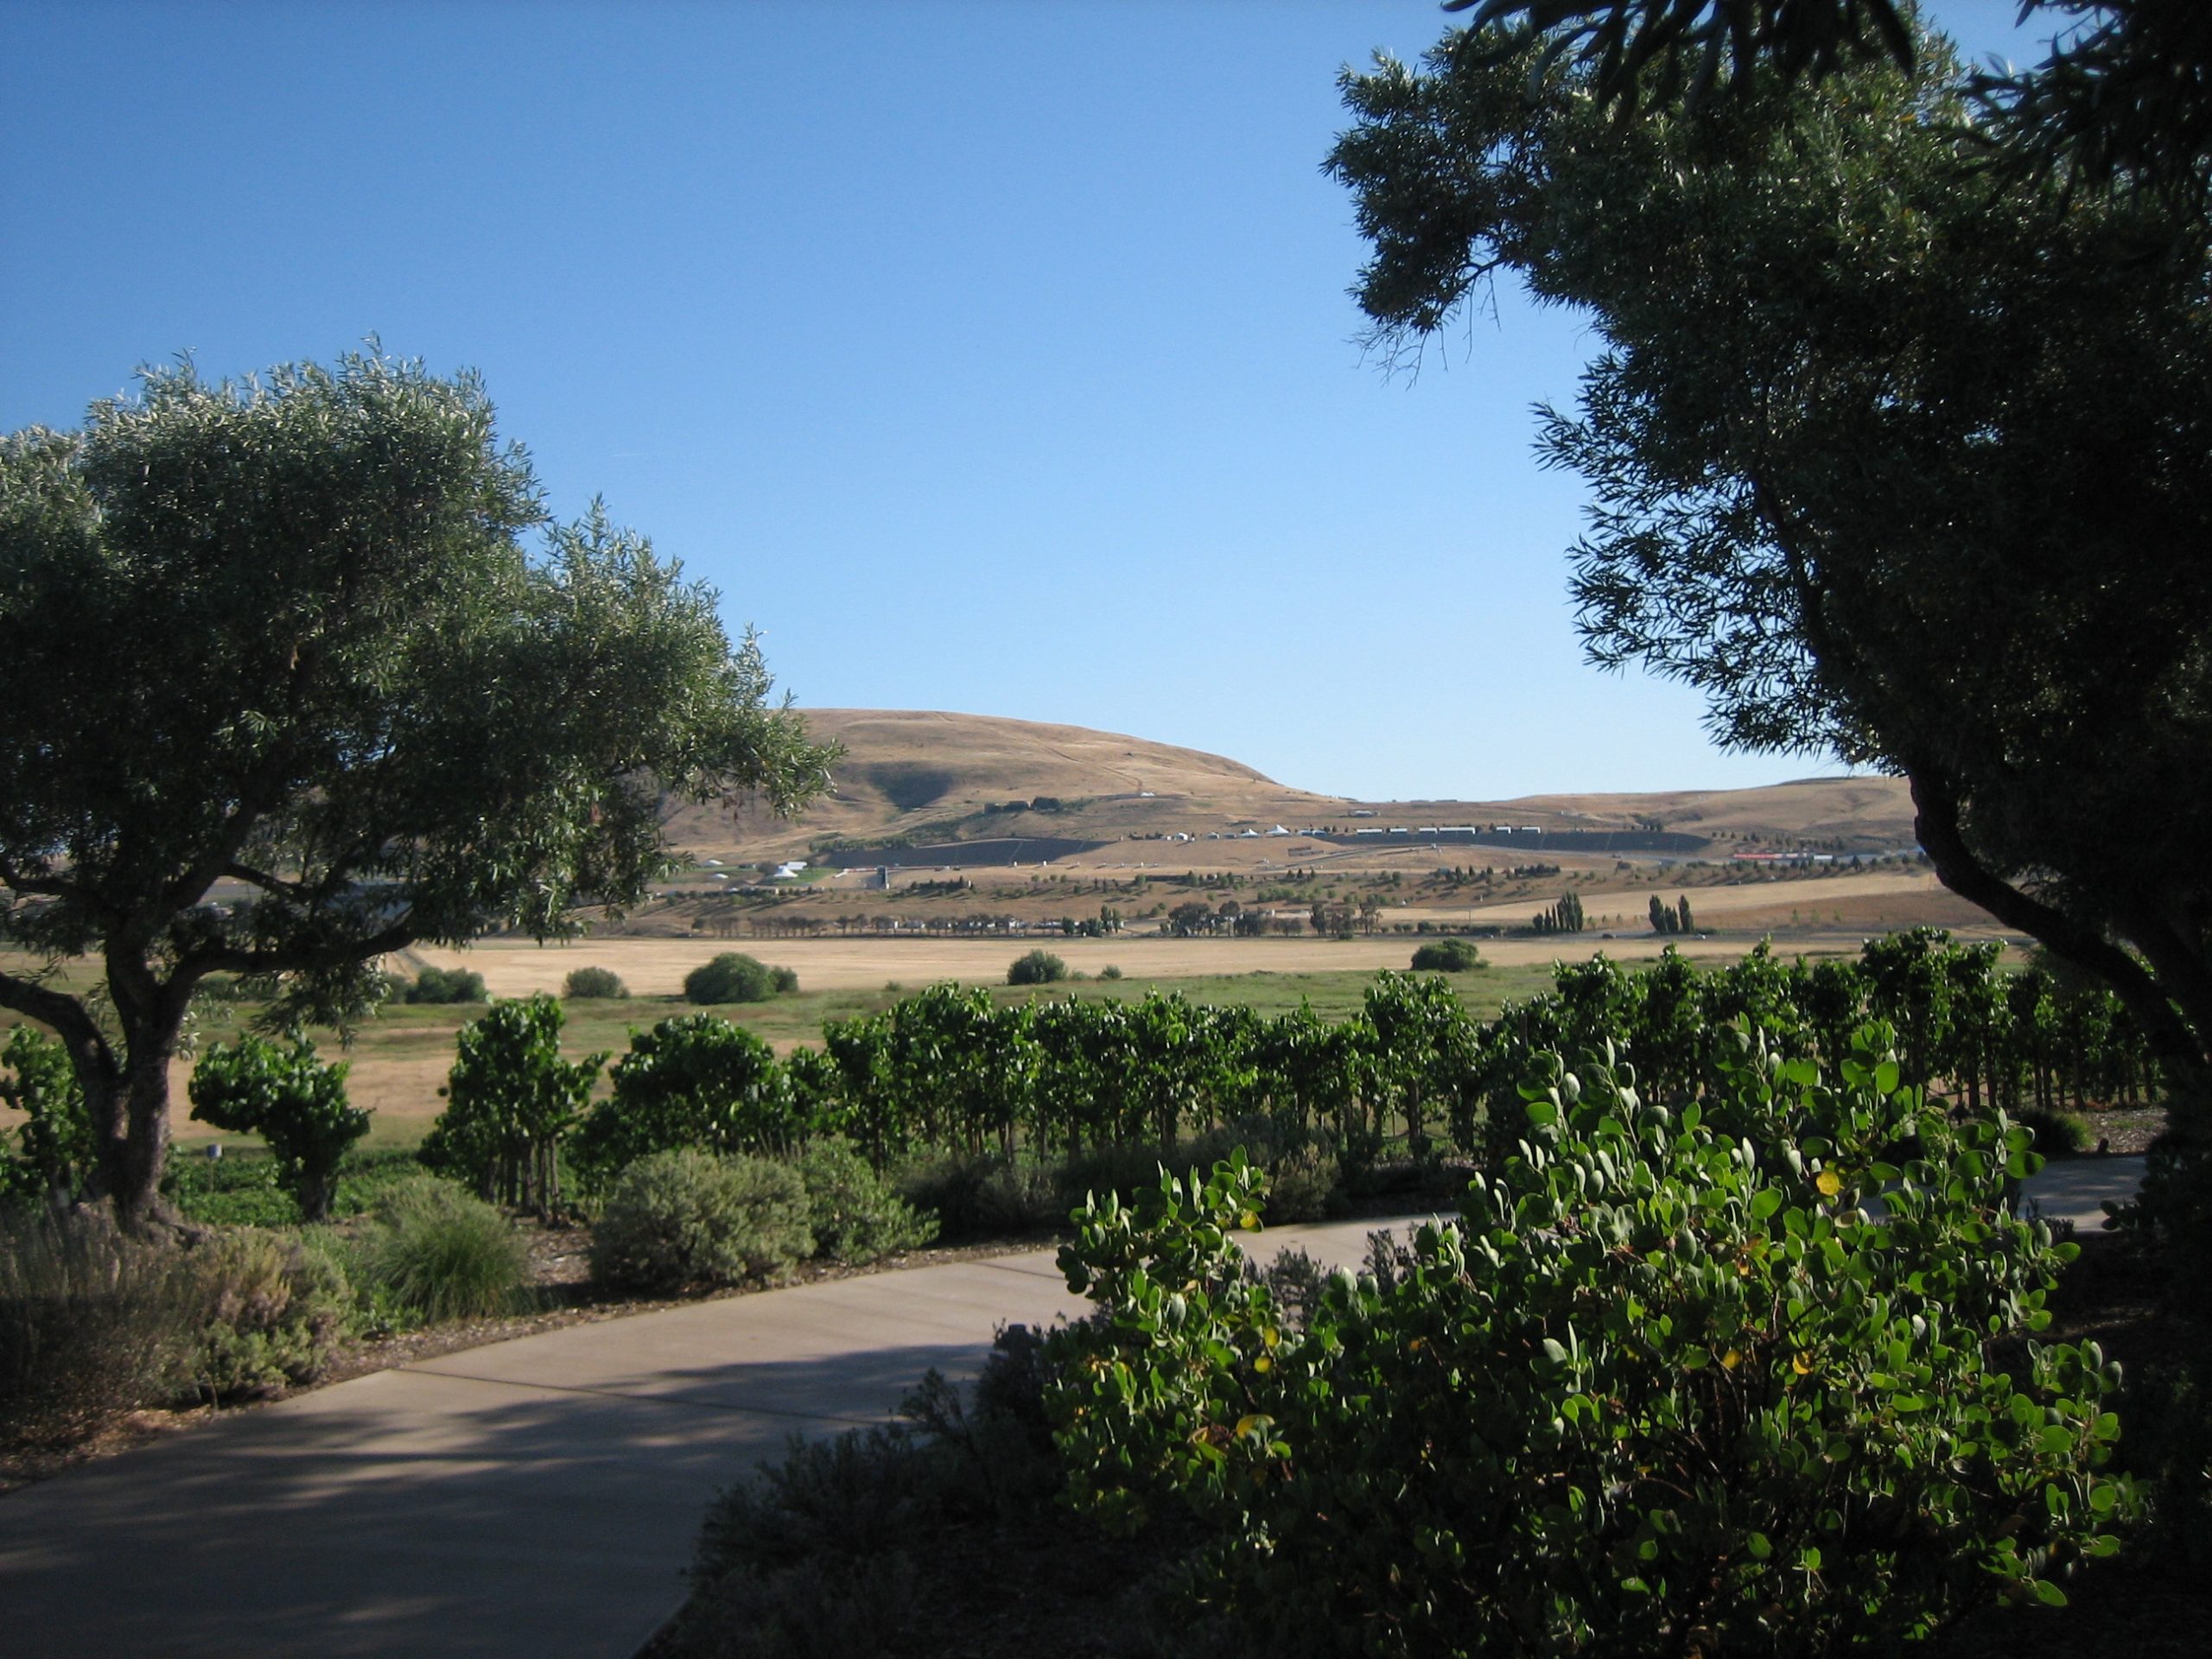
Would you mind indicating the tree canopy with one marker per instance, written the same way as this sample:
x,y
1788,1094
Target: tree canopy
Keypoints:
x,y
1889,457
2124,96
287,690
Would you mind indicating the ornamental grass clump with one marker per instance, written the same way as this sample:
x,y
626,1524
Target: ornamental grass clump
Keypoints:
x,y
436,1252
677,1220
1665,1386
92,1322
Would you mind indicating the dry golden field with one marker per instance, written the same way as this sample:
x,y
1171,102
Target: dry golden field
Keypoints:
x,y
657,967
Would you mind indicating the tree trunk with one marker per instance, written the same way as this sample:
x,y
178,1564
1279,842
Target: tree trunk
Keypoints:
x,y
2172,998
134,1140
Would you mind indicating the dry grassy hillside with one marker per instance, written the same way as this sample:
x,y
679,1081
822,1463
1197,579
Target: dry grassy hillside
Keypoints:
x,y
1869,813
929,776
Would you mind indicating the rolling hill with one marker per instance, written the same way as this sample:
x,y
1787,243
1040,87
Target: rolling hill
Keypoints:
x,y
924,777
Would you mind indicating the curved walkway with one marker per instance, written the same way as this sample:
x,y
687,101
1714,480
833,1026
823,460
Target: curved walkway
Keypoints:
x,y
537,1498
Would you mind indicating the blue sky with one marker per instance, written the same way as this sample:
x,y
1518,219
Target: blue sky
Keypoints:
x,y
992,356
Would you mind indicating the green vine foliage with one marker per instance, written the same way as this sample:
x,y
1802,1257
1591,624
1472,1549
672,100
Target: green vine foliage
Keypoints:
x,y
287,1095
1752,1375
54,1151
696,1080
510,1100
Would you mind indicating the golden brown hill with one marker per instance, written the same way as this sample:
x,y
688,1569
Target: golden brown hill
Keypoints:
x,y
926,776
929,776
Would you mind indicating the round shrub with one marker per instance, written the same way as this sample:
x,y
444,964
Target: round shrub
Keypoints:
x,y
677,1219
443,985
1301,1184
853,1212
272,1312
730,977
1109,972
1447,957
440,1253
586,983
1038,968
786,979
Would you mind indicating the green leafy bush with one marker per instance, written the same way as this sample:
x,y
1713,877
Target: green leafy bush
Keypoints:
x,y
1109,972
584,983
1665,1387
436,1252
697,1080
1448,956
272,1311
445,985
54,1151
677,1219
732,977
91,1322
511,1101
1036,967
853,1212
294,1103
813,1556
238,1189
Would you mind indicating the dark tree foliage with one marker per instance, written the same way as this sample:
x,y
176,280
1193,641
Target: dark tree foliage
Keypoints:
x,y
2123,97
1887,460
1640,50
285,692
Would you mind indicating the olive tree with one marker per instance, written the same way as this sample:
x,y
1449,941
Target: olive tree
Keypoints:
x,y
287,690
1887,460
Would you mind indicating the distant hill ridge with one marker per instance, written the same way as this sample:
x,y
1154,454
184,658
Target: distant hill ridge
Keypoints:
x,y
926,776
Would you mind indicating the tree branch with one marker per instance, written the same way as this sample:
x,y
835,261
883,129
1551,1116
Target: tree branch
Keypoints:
x,y
46,887
226,959
89,1049
270,883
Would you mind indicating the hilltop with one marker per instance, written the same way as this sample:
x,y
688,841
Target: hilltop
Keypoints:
x,y
922,777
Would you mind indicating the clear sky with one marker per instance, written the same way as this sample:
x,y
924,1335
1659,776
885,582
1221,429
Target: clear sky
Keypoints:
x,y
991,356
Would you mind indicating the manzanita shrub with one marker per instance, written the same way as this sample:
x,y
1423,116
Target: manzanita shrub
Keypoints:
x,y
1749,1375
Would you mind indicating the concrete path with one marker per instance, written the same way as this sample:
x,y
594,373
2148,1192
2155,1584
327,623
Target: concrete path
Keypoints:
x,y
2077,1189
535,1499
